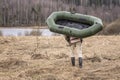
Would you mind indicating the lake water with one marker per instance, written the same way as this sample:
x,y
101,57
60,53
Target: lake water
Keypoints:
x,y
22,32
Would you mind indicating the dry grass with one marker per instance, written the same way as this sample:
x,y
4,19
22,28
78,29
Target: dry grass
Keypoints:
x,y
113,28
21,60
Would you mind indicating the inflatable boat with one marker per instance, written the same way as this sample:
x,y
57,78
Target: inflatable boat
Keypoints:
x,y
76,25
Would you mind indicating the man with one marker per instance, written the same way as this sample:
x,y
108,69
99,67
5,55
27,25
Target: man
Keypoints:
x,y
75,46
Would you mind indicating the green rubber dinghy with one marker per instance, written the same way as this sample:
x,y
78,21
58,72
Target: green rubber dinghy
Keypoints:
x,y
76,25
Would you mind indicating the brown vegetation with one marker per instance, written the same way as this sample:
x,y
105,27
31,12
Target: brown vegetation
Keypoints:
x,y
21,59
113,28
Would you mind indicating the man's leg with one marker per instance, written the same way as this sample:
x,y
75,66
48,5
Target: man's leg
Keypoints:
x,y
72,48
79,52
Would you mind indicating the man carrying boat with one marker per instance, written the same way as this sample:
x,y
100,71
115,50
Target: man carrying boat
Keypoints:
x,y
75,47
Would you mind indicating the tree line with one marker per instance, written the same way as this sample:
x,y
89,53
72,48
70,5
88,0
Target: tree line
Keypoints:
x,y
35,12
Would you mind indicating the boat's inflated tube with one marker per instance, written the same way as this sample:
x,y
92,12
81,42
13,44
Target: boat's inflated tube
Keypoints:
x,y
76,25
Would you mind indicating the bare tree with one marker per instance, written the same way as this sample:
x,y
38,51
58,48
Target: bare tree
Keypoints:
x,y
35,12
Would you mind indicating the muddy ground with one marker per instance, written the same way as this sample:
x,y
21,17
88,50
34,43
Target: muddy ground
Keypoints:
x,y
21,58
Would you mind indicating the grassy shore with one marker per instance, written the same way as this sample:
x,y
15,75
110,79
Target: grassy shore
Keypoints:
x,y
25,58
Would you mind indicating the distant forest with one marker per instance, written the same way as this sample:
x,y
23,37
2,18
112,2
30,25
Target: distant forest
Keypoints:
x,y
35,12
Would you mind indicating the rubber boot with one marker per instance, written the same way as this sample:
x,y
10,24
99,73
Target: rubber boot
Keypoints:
x,y
80,62
73,61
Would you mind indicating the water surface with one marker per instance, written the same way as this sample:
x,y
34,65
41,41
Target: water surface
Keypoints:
x,y
24,32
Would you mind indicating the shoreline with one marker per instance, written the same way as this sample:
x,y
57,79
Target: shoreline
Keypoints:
x,y
33,27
